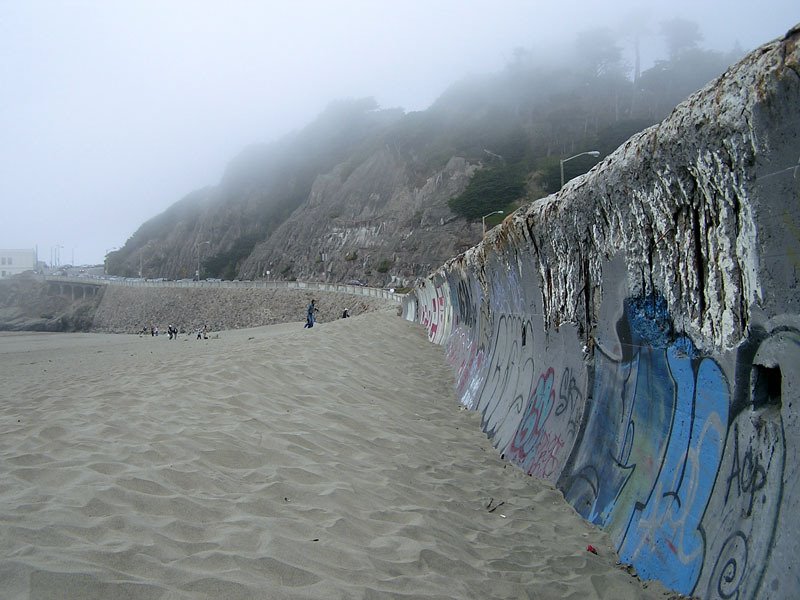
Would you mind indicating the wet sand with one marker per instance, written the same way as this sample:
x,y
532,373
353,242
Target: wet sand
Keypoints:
x,y
274,462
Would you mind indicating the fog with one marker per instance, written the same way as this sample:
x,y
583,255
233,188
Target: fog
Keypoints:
x,y
110,111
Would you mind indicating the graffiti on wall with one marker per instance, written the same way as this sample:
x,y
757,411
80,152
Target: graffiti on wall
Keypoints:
x,y
683,465
463,351
533,448
548,426
742,517
509,379
657,427
466,360
689,491
432,313
465,304
531,416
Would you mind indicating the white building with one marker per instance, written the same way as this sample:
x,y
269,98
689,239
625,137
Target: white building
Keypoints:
x,y
13,262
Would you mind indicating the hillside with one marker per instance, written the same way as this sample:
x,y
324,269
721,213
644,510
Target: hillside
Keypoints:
x,y
383,196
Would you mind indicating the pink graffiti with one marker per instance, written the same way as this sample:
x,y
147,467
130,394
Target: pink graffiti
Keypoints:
x,y
466,360
432,317
528,437
460,351
545,462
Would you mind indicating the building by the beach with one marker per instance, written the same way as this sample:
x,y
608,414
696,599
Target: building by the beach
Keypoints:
x,y
13,262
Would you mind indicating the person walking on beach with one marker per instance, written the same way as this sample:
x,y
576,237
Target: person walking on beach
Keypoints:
x,y
312,308
346,313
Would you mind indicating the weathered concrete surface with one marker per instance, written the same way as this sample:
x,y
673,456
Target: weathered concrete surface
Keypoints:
x,y
635,338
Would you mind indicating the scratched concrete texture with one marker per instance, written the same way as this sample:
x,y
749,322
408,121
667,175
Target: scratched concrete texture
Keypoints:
x,y
635,338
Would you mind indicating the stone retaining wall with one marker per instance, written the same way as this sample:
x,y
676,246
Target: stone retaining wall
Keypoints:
x,y
126,309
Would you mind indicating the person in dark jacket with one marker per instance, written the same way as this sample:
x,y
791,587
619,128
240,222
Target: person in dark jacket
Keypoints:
x,y
312,308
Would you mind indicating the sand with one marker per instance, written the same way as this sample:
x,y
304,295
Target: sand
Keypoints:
x,y
274,462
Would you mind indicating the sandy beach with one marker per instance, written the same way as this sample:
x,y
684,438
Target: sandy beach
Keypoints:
x,y
272,462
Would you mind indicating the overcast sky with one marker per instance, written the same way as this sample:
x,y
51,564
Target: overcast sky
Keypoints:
x,y
110,111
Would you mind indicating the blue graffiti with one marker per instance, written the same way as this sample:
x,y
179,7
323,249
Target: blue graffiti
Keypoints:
x,y
658,420
663,537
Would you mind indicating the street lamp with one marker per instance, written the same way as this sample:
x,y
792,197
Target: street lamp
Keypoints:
x,y
197,273
483,219
594,153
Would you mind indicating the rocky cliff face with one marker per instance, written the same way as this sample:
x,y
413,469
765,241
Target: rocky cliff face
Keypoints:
x,y
344,199
376,223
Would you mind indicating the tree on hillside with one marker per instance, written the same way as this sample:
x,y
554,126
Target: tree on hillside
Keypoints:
x,y
669,82
680,35
491,189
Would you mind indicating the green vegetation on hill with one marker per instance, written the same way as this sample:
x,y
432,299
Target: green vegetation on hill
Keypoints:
x,y
490,189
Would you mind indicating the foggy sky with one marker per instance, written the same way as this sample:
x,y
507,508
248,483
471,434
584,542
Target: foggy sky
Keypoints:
x,y
112,110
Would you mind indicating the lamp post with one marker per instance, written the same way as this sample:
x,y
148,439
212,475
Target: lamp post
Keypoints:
x,y
197,273
483,219
594,153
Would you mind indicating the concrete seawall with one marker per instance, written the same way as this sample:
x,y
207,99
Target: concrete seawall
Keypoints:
x,y
635,338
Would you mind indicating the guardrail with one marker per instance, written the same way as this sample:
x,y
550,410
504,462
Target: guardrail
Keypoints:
x,y
355,290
